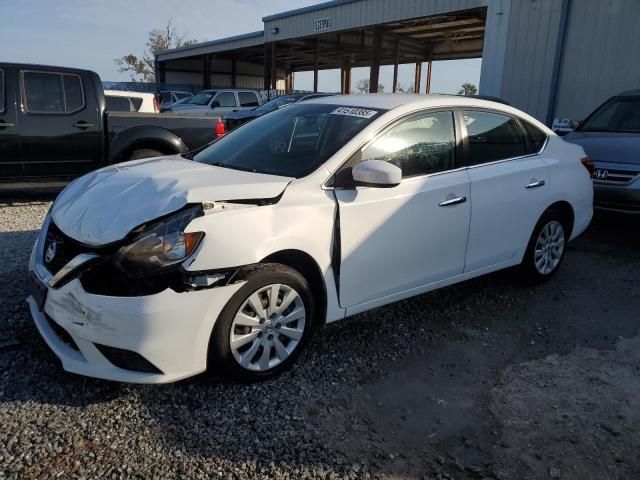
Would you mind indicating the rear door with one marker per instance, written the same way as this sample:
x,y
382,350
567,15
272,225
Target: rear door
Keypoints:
x,y
509,187
60,126
10,162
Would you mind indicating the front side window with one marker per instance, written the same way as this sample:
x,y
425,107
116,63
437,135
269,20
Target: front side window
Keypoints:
x,y
493,137
418,146
620,114
248,99
291,142
52,92
226,99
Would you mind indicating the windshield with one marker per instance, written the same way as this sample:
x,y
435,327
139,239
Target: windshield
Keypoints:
x,y
202,98
290,142
276,103
620,114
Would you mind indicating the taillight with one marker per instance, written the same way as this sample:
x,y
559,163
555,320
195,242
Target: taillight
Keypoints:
x,y
156,107
588,164
220,131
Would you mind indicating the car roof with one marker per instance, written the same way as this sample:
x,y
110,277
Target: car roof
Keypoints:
x,y
630,93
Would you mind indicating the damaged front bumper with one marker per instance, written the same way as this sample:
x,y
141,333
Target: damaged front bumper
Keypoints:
x,y
157,338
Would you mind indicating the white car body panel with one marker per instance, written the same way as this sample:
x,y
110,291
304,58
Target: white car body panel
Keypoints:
x,y
143,190
400,238
393,243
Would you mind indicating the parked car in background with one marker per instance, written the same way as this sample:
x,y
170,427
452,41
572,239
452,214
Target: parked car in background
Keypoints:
x,y
235,119
169,98
55,125
611,138
229,258
126,101
172,96
219,102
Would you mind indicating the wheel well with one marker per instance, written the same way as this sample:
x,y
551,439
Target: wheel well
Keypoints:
x,y
565,210
309,269
161,147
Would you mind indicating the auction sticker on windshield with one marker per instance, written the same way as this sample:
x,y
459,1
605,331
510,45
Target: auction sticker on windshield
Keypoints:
x,y
354,112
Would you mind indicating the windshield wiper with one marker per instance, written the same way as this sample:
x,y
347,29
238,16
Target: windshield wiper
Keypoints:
x,y
233,167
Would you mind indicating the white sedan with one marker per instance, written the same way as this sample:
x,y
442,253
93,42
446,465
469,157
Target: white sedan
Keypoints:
x,y
228,258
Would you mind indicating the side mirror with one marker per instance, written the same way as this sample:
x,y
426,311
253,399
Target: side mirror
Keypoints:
x,y
376,173
215,104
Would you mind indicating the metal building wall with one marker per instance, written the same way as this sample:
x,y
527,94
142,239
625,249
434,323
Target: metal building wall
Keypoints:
x,y
347,14
601,55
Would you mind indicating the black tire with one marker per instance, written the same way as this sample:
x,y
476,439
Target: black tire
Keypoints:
x,y
528,267
145,153
221,358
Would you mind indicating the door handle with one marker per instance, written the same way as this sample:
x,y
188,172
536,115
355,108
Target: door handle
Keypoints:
x,y
535,184
6,124
452,201
82,124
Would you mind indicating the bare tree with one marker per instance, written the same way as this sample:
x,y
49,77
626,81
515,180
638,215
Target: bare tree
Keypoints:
x,y
468,89
411,88
363,86
142,69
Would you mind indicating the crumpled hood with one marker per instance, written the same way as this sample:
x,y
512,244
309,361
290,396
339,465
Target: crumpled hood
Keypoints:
x,y
608,146
104,206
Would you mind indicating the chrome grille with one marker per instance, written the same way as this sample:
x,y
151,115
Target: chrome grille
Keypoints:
x,y
614,176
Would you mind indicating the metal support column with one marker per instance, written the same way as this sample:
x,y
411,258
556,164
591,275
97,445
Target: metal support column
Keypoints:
x,y
417,78
267,67
395,67
206,76
428,87
315,66
274,67
233,72
376,47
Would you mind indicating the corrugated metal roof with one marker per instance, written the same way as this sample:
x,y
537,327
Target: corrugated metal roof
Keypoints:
x,y
221,44
311,8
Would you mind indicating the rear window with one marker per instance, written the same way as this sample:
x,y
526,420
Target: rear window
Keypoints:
x,y
137,103
117,104
535,136
620,114
291,142
46,92
248,99
492,137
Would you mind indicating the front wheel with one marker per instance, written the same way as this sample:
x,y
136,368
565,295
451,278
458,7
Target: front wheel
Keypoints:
x,y
265,326
145,153
546,248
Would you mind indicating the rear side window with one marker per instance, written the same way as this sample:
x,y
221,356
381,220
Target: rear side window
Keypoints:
x,y
226,99
1,91
248,99
137,103
493,137
536,137
118,104
418,146
52,92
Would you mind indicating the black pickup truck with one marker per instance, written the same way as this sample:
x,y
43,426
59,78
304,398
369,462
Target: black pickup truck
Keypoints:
x,y
54,126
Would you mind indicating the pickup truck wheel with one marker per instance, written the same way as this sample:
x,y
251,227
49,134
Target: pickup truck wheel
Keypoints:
x,y
145,153
265,325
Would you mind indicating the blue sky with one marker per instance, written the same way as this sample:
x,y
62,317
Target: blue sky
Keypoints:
x,y
91,33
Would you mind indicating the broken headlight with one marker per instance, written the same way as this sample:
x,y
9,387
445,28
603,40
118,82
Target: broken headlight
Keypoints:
x,y
160,245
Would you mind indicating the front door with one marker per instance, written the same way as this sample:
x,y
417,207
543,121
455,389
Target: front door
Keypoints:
x,y
397,239
60,126
10,162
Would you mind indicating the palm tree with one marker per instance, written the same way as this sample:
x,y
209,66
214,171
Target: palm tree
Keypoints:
x,y
468,89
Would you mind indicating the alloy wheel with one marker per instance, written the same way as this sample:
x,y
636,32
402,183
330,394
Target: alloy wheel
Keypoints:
x,y
549,247
267,328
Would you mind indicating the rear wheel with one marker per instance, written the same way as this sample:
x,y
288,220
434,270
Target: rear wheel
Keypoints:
x,y
265,326
546,248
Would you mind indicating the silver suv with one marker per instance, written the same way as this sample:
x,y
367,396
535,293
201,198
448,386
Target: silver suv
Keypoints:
x,y
219,102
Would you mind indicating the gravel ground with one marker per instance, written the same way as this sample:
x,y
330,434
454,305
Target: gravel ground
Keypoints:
x,y
488,379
